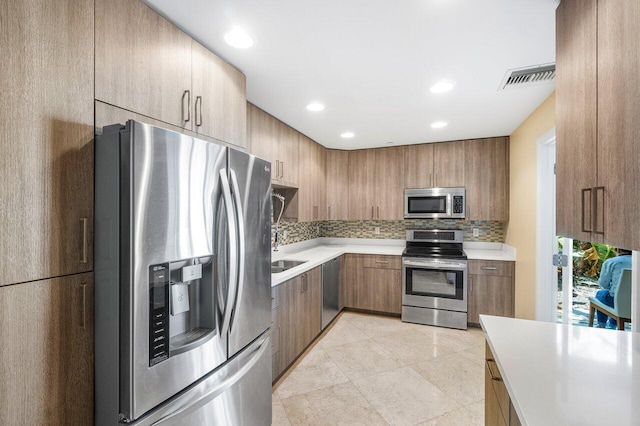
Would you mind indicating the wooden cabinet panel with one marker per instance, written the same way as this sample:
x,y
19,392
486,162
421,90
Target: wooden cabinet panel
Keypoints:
x,y
448,164
382,290
46,163
362,191
576,115
418,166
321,183
218,98
618,128
487,179
498,407
287,153
337,173
312,318
389,183
306,179
261,131
492,414
143,62
491,295
382,262
492,267
352,274
47,331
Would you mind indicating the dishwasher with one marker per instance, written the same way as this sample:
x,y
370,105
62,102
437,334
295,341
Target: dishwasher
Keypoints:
x,y
330,290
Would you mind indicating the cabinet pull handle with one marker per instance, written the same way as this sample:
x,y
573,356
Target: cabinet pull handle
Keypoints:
x,y
435,183
372,212
282,174
489,268
430,180
382,261
329,213
378,211
595,210
187,94
494,378
277,175
198,111
470,284
83,253
584,191
83,316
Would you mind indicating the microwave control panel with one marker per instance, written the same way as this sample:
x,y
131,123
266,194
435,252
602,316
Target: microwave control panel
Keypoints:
x,y
158,313
458,205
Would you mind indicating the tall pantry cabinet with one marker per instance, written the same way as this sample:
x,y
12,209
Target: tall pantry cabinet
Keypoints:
x,y
598,96
46,194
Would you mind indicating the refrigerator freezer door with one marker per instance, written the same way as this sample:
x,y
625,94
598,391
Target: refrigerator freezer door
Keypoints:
x,y
239,393
174,196
251,186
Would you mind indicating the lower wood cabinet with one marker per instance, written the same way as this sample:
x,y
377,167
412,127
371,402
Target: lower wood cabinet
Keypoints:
x,y
46,354
297,318
372,283
491,289
498,409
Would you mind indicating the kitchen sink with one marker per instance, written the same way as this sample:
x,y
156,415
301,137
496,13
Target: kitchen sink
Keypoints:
x,y
283,265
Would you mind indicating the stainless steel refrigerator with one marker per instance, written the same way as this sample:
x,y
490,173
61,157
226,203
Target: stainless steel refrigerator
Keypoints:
x,y
182,280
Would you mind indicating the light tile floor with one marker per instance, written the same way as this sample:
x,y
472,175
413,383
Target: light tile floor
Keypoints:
x,y
376,370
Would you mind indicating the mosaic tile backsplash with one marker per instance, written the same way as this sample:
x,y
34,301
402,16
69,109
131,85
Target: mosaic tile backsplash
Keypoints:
x,y
489,231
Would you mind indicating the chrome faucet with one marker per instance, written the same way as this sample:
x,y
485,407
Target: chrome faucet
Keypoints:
x,y
276,240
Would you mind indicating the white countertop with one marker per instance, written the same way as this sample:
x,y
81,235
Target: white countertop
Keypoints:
x,y
558,374
318,251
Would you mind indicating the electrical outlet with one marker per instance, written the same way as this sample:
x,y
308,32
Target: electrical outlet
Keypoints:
x,y
376,230
284,234
317,229
476,232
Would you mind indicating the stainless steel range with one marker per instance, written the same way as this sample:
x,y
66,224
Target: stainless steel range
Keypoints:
x,y
434,279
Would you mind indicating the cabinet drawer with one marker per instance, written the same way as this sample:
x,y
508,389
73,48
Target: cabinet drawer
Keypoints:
x,y
491,267
383,262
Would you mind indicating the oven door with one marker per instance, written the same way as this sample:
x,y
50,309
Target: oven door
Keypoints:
x,y
434,283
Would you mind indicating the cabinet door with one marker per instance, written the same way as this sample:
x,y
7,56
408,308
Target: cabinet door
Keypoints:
x,y
321,183
491,295
219,97
492,414
143,62
352,274
618,123
337,184
286,145
418,166
46,329
362,190
383,288
448,164
576,119
487,179
307,189
261,133
313,305
46,129
289,305
389,183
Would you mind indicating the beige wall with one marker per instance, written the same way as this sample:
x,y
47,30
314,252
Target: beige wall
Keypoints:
x,y
521,230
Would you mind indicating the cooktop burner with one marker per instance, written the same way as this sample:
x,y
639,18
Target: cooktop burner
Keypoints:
x,y
435,243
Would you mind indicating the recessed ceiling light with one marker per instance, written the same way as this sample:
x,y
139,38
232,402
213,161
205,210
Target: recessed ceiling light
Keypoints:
x,y
238,38
314,106
347,135
439,124
442,86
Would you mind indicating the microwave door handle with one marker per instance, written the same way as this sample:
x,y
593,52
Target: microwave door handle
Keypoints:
x,y
241,247
233,252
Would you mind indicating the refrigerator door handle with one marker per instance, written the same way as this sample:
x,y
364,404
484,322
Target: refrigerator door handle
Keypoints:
x,y
241,247
233,252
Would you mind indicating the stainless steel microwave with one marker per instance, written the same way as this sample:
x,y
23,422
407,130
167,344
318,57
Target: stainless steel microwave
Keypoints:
x,y
434,203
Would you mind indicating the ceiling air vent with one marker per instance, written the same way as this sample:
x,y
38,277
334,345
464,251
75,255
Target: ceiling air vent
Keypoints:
x,y
529,76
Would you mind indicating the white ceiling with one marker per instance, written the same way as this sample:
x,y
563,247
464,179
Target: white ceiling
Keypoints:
x,y
371,63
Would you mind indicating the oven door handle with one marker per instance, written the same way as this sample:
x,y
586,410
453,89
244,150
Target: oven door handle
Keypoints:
x,y
435,265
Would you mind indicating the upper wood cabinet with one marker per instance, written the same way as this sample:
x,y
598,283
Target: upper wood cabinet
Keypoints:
x,y
418,166
487,179
448,164
143,62
576,118
376,184
271,139
46,154
219,98
146,65
337,184
597,92
46,358
311,182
